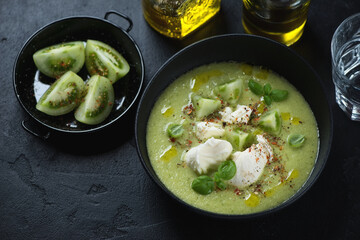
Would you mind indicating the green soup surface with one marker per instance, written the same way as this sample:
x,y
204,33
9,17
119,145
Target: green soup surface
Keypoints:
x,y
280,179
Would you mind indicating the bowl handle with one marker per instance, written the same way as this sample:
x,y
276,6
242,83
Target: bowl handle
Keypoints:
x,y
120,15
44,136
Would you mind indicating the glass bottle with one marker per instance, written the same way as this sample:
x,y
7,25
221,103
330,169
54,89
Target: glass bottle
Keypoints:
x,y
281,20
178,18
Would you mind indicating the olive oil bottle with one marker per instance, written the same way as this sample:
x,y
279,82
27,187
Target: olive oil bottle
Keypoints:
x,y
178,18
282,21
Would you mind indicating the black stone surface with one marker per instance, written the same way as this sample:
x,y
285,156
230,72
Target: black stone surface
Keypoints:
x,y
94,186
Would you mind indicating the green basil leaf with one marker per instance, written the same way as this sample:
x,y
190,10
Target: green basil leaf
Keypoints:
x,y
296,140
279,95
175,130
267,100
217,177
227,170
267,89
203,185
220,184
255,87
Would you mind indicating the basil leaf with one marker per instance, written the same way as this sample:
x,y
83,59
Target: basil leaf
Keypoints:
x,y
175,130
227,170
255,87
217,177
279,95
203,185
267,89
296,140
267,100
220,184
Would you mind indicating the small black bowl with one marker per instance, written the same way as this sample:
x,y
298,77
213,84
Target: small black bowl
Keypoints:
x,y
27,78
253,50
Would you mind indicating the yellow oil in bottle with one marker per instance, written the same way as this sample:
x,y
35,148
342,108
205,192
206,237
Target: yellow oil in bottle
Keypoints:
x,y
283,24
178,18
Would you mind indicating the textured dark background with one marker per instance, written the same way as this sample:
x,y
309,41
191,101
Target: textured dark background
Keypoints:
x,y
59,189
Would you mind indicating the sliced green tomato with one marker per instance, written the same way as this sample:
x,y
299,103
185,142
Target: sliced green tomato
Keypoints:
x,y
63,96
271,122
296,140
175,130
231,91
205,106
56,60
103,60
98,101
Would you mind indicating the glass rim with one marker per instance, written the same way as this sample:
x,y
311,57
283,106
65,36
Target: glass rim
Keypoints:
x,y
346,20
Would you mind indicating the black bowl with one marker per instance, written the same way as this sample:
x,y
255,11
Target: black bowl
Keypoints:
x,y
253,50
79,28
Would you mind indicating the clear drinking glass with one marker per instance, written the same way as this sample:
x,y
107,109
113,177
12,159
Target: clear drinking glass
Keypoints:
x,y
345,52
280,20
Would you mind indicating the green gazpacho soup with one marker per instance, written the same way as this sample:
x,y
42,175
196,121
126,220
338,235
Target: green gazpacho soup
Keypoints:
x,y
232,138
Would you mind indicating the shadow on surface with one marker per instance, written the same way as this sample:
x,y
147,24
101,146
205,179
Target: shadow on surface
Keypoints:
x,y
96,142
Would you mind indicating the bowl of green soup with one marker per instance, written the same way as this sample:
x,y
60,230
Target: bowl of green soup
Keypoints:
x,y
234,126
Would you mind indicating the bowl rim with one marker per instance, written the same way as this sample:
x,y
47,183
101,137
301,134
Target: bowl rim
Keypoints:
x,y
297,195
44,28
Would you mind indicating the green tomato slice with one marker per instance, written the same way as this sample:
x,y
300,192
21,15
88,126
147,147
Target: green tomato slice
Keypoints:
x,y
56,60
98,101
62,96
103,60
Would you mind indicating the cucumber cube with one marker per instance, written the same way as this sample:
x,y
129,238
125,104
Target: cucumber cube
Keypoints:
x,y
231,91
205,106
239,139
271,122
